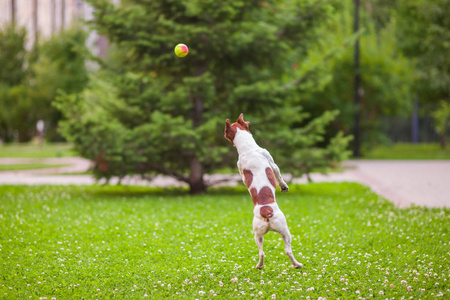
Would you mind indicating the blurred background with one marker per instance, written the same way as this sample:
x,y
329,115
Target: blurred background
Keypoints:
x,y
320,81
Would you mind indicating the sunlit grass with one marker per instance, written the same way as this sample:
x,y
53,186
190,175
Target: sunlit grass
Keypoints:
x,y
102,242
47,150
32,166
408,151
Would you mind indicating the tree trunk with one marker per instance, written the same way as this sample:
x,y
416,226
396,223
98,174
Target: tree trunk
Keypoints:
x,y
442,140
196,183
13,12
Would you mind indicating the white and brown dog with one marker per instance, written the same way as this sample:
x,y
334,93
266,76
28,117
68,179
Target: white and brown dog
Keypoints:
x,y
260,174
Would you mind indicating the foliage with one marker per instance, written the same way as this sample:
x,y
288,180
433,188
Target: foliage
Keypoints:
x,y
132,242
60,68
12,55
30,80
424,33
386,76
150,111
442,118
13,96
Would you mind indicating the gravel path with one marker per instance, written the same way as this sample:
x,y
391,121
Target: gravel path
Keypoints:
x,y
424,183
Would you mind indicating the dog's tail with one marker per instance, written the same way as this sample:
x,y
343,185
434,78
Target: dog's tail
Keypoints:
x,y
266,212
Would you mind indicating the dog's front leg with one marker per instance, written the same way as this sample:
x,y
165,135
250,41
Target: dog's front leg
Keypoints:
x,y
283,185
259,239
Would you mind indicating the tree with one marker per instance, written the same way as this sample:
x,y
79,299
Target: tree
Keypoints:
x,y
150,111
424,33
442,119
30,80
386,76
13,73
60,67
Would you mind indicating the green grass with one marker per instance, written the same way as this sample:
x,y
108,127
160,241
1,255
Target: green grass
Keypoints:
x,y
102,242
36,151
31,166
408,151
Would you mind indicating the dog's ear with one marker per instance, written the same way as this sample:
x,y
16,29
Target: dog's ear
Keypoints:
x,y
241,122
229,131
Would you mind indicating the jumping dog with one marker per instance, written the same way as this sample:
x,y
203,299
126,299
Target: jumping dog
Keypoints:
x,y
260,174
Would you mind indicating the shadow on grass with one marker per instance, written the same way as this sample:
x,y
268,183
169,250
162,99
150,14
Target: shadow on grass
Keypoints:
x,y
139,191
311,189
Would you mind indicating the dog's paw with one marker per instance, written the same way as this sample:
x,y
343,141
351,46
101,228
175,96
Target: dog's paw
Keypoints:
x,y
298,266
285,188
258,266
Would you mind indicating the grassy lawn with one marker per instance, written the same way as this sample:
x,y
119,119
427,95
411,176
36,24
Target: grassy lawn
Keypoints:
x,y
102,242
408,151
36,151
33,166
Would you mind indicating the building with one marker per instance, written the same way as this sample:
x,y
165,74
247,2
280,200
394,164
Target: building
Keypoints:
x,y
43,18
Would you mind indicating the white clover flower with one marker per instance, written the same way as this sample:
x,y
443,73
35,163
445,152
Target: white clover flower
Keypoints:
x,y
234,279
403,282
357,292
381,293
220,283
201,293
274,296
409,288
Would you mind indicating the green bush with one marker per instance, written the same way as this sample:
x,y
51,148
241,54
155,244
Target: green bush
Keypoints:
x,y
31,79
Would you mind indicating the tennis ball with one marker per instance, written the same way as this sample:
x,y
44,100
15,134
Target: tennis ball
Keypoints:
x,y
181,50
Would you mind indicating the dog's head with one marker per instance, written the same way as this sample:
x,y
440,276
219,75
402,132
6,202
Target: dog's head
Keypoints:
x,y
231,129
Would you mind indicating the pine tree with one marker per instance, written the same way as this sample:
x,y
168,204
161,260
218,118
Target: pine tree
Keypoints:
x,y
148,110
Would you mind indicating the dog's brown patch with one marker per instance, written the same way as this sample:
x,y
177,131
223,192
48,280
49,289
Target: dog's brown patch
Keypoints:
x,y
271,177
265,196
254,194
266,212
248,175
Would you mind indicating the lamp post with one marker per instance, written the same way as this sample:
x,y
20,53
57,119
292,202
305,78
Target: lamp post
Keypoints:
x,y
357,91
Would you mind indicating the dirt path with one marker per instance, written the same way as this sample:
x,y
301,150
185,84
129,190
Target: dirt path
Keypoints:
x,y
404,182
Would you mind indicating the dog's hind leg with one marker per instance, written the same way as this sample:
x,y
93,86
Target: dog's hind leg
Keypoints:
x,y
286,235
259,239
